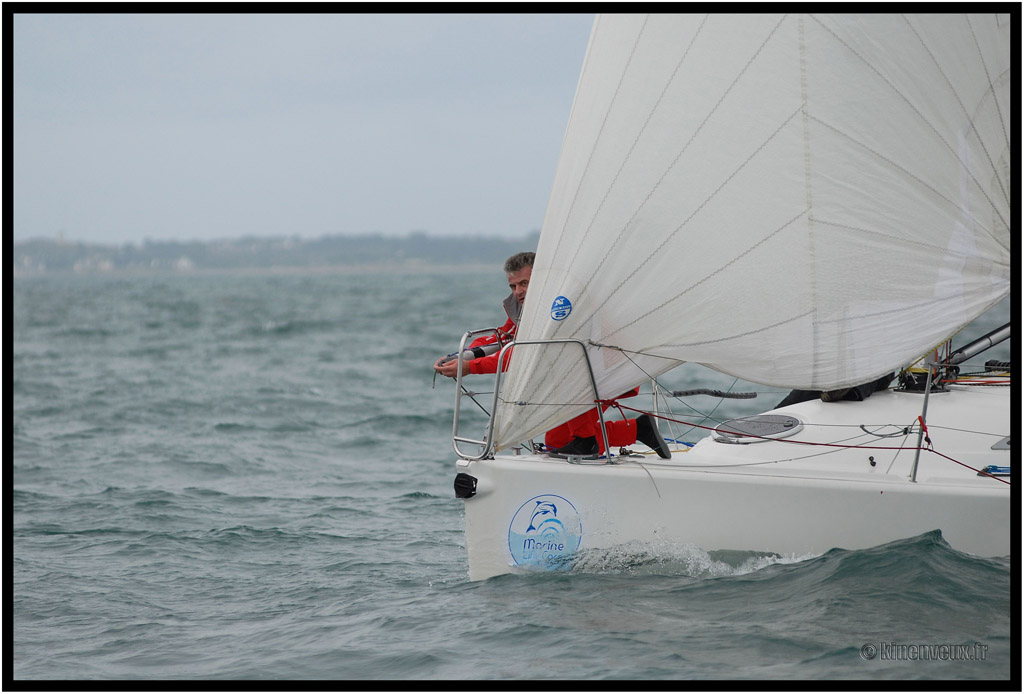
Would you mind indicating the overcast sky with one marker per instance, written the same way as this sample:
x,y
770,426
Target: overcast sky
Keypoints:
x,y
160,127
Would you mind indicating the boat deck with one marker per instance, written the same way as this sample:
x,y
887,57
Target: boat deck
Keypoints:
x,y
873,440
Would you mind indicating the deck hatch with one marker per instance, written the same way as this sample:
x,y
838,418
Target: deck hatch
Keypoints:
x,y
757,428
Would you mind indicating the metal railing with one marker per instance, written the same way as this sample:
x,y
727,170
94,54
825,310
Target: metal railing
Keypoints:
x,y
460,390
487,443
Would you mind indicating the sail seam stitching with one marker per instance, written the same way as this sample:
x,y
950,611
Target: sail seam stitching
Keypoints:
x,y
695,213
626,159
597,139
675,161
812,251
918,112
988,92
914,243
909,174
999,111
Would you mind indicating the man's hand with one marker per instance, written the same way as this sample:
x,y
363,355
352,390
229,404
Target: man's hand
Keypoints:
x,y
450,368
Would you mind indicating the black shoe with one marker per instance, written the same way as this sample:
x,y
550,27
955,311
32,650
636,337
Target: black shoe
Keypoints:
x,y
834,395
647,433
577,447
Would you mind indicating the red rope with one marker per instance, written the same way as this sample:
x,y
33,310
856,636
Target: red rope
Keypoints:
x,y
927,438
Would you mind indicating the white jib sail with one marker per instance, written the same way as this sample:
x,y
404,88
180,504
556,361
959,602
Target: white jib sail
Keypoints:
x,y
800,201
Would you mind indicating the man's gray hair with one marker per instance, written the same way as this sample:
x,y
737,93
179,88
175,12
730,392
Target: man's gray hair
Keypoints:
x,y
519,261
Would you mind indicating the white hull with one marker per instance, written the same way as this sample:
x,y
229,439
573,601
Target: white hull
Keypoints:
x,y
536,512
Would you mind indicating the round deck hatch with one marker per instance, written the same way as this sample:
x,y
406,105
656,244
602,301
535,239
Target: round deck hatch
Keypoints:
x,y
760,427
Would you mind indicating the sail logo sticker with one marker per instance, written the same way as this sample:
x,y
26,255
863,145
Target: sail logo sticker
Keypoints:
x,y
561,308
545,533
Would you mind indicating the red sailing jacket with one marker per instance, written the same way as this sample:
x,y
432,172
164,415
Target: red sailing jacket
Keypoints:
x,y
489,364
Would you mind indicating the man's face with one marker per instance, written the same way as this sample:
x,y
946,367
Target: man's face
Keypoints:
x,y
518,281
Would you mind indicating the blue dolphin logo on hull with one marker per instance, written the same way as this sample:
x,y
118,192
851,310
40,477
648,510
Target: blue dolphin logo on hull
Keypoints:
x,y
545,532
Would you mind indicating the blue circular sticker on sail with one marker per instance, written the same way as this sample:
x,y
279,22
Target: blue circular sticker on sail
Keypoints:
x,y
545,533
561,308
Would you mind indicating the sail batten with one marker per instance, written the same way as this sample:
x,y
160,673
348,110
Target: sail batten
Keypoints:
x,y
799,201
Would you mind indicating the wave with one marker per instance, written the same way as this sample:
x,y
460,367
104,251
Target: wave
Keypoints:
x,y
675,559
904,565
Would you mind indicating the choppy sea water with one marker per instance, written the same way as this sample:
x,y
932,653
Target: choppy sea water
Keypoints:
x,y
249,477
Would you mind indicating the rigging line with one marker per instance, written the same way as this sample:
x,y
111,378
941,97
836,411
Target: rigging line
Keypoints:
x,y
793,459
796,459
966,431
903,431
846,446
787,440
660,404
897,453
822,425
980,472
563,374
707,416
627,352
471,394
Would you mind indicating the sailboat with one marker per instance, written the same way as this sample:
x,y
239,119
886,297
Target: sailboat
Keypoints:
x,y
801,201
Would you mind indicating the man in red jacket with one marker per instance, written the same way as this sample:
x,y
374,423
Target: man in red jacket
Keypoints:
x,y
580,435
518,269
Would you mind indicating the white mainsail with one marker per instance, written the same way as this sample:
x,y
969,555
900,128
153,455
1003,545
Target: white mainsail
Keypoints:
x,y
800,201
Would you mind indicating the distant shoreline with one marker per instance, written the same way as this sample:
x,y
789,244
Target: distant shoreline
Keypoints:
x,y
367,254
368,269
